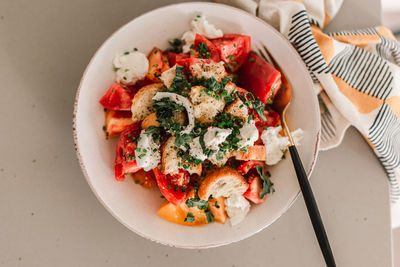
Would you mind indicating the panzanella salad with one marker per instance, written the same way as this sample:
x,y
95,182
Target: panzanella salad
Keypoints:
x,y
196,122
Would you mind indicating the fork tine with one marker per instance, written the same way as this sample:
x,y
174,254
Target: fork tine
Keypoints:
x,y
261,51
270,60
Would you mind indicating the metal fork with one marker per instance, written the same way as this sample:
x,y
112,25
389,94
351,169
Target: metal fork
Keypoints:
x,y
281,104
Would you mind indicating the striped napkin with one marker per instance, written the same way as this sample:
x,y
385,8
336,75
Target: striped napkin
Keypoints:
x,y
356,75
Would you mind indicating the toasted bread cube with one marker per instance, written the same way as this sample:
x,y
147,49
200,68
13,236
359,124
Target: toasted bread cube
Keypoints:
x,y
171,162
142,102
205,107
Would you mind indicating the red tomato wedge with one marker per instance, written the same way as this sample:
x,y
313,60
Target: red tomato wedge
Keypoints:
x,y
260,78
173,58
213,52
272,120
172,193
233,49
158,63
254,190
118,97
182,178
245,167
116,122
187,62
125,152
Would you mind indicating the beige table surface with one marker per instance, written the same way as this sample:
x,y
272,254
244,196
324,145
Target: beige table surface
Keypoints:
x,y
49,216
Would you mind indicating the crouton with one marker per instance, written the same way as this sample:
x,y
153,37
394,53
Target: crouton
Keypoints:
x,y
142,102
205,107
171,162
225,182
238,109
208,70
168,76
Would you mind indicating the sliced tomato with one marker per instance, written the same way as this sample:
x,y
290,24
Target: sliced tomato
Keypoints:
x,y
245,167
254,190
187,62
233,49
212,49
272,120
171,192
180,179
178,214
158,63
173,58
116,122
118,97
145,179
260,78
125,152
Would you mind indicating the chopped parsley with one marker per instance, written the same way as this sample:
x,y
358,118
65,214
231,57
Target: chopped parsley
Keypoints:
x,y
203,50
126,53
249,100
208,152
209,216
165,109
155,133
268,186
179,83
189,217
175,45
212,87
182,139
195,202
116,69
252,59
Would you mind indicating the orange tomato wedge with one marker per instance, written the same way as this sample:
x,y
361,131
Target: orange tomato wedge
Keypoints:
x,y
145,179
158,63
177,214
116,122
217,208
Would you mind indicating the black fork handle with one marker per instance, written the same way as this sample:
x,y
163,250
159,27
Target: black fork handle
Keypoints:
x,y
312,208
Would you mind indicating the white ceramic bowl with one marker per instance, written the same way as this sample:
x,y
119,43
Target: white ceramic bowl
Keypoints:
x,y
135,206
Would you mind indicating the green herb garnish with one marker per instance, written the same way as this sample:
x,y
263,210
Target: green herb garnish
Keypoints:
x,y
175,45
268,186
180,82
194,202
155,133
182,139
209,216
189,217
203,50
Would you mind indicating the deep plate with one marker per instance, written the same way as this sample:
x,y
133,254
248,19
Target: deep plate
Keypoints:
x,y
136,207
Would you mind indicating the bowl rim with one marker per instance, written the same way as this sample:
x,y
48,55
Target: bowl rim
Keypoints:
x,y
83,167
